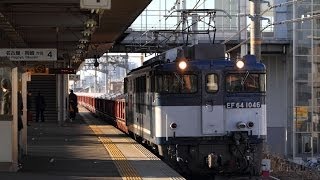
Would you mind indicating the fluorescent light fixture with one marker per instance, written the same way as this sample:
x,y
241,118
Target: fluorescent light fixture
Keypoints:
x,y
78,55
79,51
97,11
90,23
87,32
83,41
81,46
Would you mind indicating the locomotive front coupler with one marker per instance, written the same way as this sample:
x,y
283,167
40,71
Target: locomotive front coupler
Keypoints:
x,y
240,138
241,146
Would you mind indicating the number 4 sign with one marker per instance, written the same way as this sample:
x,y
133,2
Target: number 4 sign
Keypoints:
x,y
19,54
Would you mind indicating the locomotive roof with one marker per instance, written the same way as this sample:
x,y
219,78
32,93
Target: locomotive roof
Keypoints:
x,y
215,64
200,56
194,52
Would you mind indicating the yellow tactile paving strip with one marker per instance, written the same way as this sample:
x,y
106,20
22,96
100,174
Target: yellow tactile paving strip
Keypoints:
x,y
128,154
125,168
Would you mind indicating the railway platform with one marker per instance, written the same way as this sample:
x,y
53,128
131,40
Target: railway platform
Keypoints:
x,y
86,148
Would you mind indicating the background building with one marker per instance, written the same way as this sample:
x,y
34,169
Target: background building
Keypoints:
x,y
306,81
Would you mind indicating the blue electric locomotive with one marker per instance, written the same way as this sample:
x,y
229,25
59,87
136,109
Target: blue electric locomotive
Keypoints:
x,y
201,111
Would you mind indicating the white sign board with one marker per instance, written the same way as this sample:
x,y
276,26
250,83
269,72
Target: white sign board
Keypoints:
x,y
19,54
74,77
95,4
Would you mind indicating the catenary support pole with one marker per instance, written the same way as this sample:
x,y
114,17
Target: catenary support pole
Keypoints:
x,y
255,34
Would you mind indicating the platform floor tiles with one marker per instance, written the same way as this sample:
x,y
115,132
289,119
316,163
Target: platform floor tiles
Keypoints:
x,y
86,148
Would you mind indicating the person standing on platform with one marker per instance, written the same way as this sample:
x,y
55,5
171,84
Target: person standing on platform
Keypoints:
x,y
73,105
40,107
6,97
29,105
20,127
20,111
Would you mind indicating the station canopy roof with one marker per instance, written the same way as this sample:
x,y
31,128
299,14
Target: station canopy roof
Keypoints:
x,y
77,33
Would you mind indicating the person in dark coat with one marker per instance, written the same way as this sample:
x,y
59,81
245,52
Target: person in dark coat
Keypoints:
x,y
6,96
29,106
40,107
73,105
20,111
20,127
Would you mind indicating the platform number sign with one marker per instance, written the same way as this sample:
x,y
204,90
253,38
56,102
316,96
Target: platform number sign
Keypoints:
x,y
37,54
50,54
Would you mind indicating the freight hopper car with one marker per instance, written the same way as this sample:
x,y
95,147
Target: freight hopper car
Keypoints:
x,y
110,109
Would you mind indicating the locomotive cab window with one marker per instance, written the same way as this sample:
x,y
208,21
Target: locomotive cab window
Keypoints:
x,y
212,83
176,83
245,82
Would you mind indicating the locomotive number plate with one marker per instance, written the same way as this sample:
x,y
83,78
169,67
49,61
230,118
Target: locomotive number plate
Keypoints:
x,y
231,105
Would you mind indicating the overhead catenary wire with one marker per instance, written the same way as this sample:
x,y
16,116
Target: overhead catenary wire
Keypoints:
x,y
277,23
200,19
177,3
176,26
265,11
280,5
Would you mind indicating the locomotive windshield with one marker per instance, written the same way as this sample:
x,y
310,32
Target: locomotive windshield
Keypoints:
x,y
176,83
246,82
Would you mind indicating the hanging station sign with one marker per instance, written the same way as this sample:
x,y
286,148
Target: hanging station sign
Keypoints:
x,y
37,54
74,77
62,71
95,4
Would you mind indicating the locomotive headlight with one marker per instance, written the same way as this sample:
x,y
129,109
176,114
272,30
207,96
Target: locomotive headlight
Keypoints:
x,y
173,125
250,124
182,65
240,64
241,125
